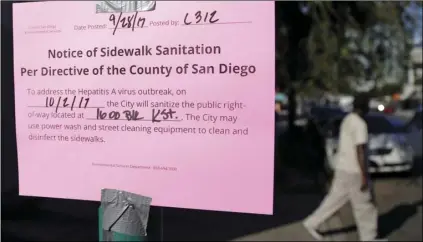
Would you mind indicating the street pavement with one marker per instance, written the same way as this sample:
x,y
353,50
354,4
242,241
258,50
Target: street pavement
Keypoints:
x,y
399,200
65,220
296,196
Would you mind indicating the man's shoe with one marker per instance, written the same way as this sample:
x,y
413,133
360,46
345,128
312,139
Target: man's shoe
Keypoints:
x,y
313,232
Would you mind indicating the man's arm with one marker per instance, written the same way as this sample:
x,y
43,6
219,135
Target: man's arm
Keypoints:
x,y
361,158
361,139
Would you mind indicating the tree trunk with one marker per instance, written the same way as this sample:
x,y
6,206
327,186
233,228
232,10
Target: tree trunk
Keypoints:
x,y
292,108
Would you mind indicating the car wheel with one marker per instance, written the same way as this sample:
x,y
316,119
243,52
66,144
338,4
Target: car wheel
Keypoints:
x,y
410,173
416,168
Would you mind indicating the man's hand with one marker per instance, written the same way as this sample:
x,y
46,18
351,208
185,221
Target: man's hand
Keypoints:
x,y
364,184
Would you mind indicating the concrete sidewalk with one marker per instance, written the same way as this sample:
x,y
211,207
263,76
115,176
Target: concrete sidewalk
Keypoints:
x,y
284,225
399,204
303,194
61,220
296,232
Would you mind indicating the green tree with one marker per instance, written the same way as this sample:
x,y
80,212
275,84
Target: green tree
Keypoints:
x,y
331,45
351,42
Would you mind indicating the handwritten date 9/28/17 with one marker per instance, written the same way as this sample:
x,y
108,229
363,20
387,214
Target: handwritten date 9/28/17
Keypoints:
x,y
157,115
126,22
134,21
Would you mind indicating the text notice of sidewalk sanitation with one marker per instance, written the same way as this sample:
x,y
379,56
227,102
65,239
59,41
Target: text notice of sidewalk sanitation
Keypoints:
x,y
170,100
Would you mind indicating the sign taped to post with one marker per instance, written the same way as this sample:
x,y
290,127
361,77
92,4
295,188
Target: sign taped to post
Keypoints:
x,y
172,100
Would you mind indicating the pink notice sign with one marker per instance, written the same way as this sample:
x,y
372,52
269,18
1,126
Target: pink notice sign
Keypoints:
x,y
172,100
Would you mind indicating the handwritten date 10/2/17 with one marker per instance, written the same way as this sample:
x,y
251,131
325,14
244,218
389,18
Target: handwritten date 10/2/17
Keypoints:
x,y
157,115
74,102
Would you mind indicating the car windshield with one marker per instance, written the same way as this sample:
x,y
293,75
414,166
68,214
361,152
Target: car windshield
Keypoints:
x,y
384,125
375,124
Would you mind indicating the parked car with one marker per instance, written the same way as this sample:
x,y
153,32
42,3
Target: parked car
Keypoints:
x,y
414,133
389,150
321,114
376,105
281,124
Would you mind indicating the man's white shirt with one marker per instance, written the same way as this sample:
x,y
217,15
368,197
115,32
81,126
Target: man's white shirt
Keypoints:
x,y
353,132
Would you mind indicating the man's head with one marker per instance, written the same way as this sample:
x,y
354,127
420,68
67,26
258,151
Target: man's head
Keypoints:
x,y
278,106
361,104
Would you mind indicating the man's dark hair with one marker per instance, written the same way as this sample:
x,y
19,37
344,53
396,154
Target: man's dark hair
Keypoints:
x,y
361,102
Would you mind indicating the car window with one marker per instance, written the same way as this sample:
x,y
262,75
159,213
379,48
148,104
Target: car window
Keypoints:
x,y
331,129
383,125
325,113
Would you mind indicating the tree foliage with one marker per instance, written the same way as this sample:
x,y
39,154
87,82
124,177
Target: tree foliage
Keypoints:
x,y
337,45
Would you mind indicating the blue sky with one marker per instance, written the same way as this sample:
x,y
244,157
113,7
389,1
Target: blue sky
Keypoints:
x,y
419,32
417,12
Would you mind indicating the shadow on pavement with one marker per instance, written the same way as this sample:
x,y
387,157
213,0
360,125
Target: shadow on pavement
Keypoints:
x,y
44,219
388,222
395,218
192,225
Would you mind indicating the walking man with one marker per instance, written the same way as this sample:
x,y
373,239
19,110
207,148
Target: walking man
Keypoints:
x,y
351,181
